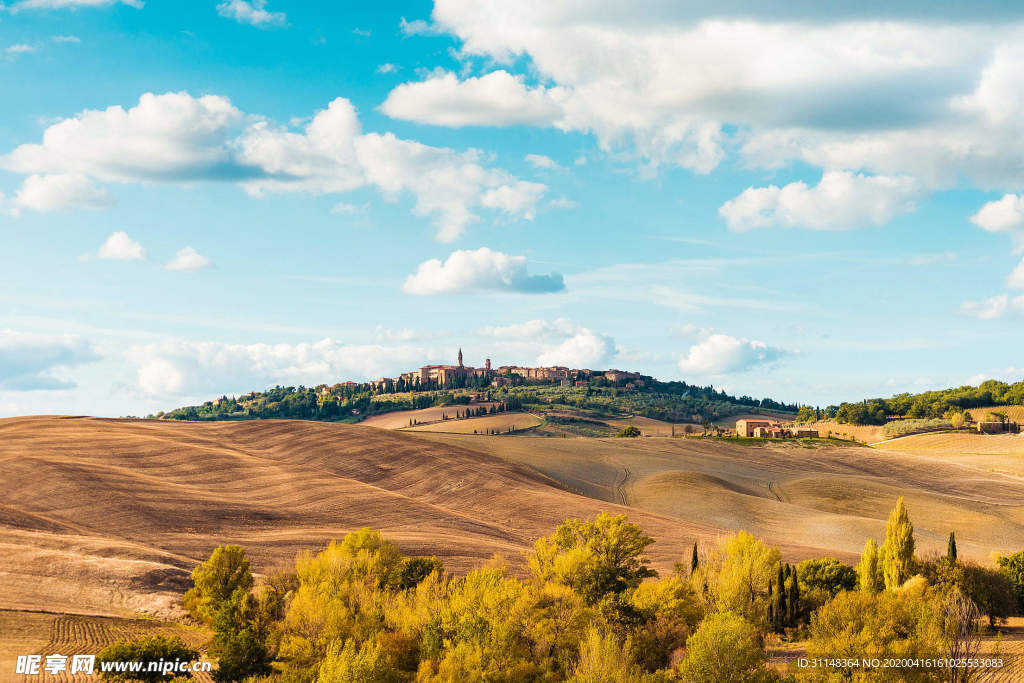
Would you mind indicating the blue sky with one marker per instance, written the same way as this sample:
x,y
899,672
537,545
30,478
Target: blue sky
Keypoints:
x,y
208,197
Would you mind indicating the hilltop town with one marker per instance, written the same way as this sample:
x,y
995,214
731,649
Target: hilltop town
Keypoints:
x,y
458,376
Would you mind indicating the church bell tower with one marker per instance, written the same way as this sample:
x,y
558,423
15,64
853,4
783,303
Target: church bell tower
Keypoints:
x,y
460,357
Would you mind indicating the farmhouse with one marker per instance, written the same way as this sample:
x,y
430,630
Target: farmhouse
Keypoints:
x,y
748,427
769,429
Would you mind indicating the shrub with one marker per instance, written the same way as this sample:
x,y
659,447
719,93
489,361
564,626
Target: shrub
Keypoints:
x,y
726,647
907,427
630,432
146,650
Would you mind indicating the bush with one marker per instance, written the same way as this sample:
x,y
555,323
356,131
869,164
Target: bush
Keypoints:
x,y
726,647
629,432
169,649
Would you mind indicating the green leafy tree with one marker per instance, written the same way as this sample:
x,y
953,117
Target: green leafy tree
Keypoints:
x,y
820,579
146,650
898,549
216,580
630,432
595,558
415,569
1012,568
951,548
242,654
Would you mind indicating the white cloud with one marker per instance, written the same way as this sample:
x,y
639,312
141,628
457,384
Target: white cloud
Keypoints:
x,y
541,161
59,192
446,184
31,362
418,27
840,201
585,349
177,138
164,137
250,12
480,270
1003,215
495,99
72,4
188,258
387,68
120,247
722,354
886,91
18,49
994,307
531,329
66,39
177,368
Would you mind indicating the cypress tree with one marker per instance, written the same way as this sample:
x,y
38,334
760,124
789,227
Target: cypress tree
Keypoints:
x,y
780,600
794,598
951,548
693,559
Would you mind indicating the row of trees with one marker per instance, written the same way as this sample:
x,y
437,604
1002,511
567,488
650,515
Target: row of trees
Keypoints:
x,y
929,404
589,610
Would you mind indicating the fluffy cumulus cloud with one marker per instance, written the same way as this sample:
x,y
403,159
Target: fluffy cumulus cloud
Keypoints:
x,y
166,137
120,247
59,192
870,88
1004,215
252,12
840,201
191,368
188,258
584,349
719,354
30,362
994,307
495,99
480,270
175,137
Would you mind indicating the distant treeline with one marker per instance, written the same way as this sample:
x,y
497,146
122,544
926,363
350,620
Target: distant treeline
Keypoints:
x,y
350,402
929,404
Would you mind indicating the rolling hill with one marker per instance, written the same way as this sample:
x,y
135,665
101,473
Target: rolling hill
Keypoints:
x,y
108,517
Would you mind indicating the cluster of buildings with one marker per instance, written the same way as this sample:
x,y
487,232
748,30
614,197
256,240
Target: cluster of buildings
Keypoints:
x,y
769,429
461,375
